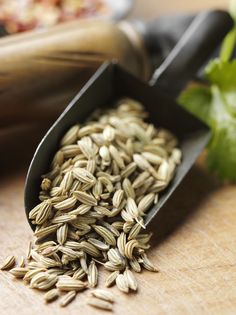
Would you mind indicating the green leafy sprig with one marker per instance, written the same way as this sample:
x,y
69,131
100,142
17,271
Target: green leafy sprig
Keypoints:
x,y
215,104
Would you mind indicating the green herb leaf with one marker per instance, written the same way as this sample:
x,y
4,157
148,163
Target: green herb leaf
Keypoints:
x,y
222,74
216,106
197,100
222,148
228,46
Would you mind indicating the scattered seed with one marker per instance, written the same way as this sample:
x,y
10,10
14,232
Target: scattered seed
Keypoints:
x,y
146,202
115,257
132,282
121,242
97,303
69,297
85,198
99,244
46,184
92,275
105,177
128,189
122,283
51,295
69,284
46,231
163,170
79,274
105,234
22,262
116,156
90,249
62,233
118,198
83,175
135,230
8,263
31,273
140,180
66,182
43,213
128,170
64,218
129,247
19,272
103,295
109,134
71,136
152,158
66,204
147,263
132,208
111,278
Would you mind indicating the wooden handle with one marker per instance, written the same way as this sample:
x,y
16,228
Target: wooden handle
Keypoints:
x,y
41,71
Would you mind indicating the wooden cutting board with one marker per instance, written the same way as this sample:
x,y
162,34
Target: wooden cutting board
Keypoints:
x,y
193,244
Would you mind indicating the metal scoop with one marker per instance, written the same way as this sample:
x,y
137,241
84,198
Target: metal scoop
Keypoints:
x,y
111,83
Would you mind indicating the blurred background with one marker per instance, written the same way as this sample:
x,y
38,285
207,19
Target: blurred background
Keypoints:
x,y
21,15
28,100
156,8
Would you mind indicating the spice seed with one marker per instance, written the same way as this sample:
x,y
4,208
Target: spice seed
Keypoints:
x,y
69,297
22,262
51,295
147,263
122,283
71,285
99,244
132,282
92,275
85,198
19,272
102,181
106,234
8,263
111,278
103,295
97,303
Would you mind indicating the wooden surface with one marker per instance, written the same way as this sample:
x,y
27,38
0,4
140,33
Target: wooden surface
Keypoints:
x,y
193,243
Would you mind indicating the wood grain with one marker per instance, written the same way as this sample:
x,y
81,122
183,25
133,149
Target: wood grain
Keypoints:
x,y
193,243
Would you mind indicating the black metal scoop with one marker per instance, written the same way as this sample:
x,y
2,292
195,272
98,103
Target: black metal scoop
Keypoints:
x,y
111,82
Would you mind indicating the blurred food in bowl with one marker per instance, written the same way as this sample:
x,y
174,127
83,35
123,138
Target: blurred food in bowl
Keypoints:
x,y
22,15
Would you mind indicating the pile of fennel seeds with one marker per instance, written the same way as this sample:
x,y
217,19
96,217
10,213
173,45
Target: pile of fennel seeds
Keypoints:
x,y
104,178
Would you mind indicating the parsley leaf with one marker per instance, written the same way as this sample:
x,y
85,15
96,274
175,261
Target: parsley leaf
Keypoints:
x,y
216,106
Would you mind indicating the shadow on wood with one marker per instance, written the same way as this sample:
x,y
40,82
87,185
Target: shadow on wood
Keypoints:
x,y
17,146
185,202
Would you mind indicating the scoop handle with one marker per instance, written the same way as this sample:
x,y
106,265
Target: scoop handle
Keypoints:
x,y
161,35
195,47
